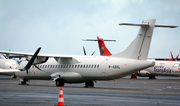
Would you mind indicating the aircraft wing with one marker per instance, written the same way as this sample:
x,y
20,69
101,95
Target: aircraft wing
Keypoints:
x,y
42,58
8,70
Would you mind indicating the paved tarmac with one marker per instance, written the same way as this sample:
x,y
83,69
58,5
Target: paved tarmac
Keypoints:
x,y
122,92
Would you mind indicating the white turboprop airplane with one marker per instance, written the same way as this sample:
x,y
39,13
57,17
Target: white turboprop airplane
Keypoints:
x,y
79,69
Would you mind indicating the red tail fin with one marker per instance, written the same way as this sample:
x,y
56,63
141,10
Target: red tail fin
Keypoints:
x,y
102,47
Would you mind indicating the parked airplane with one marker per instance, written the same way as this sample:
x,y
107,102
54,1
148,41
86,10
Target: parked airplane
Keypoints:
x,y
163,67
79,69
8,64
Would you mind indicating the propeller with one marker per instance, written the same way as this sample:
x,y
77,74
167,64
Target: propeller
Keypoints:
x,y
177,57
93,53
5,56
35,65
172,57
26,68
85,51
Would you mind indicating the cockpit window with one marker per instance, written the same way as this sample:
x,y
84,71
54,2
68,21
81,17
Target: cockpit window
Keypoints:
x,y
176,65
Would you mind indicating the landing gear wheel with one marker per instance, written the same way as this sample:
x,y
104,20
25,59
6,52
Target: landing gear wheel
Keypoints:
x,y
89,84
152,77
14,77
134,76
24,82
60,82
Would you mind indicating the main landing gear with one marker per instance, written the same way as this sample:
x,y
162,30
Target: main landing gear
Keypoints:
x,y
24,82
60,82
89,84
14,77
152,77
134,76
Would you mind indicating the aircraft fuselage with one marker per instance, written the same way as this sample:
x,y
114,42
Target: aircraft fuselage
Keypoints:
x,y
163,68
89,68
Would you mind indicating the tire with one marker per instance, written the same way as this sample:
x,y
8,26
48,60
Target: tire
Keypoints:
x,y
60,82
89,84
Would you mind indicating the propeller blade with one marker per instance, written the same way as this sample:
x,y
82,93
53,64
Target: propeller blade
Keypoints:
x,y
26,68
177,57
37,67
27,72
93,53
84,50
172,56
5,56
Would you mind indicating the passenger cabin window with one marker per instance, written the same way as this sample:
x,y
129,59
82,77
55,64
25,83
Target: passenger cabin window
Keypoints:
x,y
176,65
94,66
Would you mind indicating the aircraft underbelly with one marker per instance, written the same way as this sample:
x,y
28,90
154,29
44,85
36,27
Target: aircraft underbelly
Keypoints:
x,y
35,77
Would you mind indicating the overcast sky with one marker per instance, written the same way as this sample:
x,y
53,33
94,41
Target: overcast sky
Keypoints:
x,y
58,26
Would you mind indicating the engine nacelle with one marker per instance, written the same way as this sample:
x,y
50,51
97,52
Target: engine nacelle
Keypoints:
x,y
143,73
38,59
8,64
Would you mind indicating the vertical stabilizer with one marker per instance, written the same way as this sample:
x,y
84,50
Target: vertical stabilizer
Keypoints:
x,y
102,47
139,48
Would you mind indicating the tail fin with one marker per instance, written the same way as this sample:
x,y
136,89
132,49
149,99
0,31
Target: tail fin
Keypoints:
x,y
139,48
102,47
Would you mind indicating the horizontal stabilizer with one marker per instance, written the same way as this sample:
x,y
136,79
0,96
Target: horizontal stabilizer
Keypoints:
x,y
96,40
131,24
168,26
146,24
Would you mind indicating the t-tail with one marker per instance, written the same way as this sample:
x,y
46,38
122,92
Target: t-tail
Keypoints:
x,y
139,48
102,47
